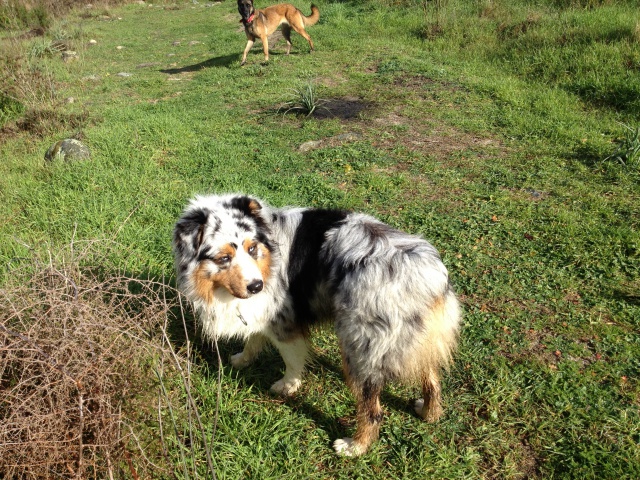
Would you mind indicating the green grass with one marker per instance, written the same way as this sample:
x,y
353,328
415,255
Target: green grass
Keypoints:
x,y
487,135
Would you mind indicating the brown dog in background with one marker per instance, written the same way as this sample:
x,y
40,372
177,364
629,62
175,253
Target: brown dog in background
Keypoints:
x,y
262,23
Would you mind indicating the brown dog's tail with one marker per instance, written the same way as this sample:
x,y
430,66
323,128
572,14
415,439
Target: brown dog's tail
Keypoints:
x,y
313,18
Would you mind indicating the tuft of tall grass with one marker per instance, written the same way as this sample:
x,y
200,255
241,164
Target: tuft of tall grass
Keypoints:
x,y
628,151
305,101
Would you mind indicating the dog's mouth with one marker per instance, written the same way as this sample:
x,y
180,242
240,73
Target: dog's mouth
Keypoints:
x,y
247,12
247,19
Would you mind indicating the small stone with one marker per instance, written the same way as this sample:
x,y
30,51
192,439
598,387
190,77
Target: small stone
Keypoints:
x,y
194,42
69,100
176,43
69,150
92,42
119,47
124,74
310,145
69,56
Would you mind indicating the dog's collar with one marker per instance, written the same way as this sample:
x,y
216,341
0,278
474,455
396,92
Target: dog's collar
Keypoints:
x,y
248,20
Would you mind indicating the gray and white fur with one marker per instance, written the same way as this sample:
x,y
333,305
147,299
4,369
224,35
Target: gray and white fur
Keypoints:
x,y
266,275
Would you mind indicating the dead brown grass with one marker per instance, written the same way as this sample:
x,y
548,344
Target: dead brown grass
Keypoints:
x,y
84,368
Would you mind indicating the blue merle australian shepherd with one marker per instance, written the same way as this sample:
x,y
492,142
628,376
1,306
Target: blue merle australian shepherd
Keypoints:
x,y
266,275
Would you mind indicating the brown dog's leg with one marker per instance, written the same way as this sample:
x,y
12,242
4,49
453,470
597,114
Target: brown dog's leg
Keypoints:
x,y
265,47
286,33
246,50
303,32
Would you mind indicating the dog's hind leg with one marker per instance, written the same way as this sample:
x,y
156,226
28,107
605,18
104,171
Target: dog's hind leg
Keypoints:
x,y
294,353
430,406
252,349
286,33
304,33
369,416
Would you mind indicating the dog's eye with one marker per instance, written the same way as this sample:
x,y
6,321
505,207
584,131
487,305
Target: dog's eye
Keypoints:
x,y
252,249
222,260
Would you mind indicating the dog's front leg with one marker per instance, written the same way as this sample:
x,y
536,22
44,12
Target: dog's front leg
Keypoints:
x,y
294,353
246,50
265,47
251,350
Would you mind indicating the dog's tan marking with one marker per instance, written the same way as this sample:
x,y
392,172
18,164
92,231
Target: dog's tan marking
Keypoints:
x,y
233,281
264,262
262,255
203,283
429,407
230,278
254,207
369,415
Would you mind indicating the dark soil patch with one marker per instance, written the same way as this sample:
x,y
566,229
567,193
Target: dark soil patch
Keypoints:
x,y
346,108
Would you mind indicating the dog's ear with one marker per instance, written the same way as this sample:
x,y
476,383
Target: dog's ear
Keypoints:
x,y
247,205
189,231
251,208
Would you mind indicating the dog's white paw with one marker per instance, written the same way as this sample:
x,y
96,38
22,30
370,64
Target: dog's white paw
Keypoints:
x,y
240,360
346,447
418,406
285,387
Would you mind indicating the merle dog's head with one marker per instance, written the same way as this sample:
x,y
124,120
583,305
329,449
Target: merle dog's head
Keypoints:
x,y
245,8
222,243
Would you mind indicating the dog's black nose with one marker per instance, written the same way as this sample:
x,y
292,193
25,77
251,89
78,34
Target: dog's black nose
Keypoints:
x,y
255,286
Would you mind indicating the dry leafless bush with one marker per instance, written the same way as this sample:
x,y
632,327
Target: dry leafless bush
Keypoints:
x,y
84,364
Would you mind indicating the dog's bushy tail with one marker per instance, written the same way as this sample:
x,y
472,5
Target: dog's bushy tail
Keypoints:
x,y
313,18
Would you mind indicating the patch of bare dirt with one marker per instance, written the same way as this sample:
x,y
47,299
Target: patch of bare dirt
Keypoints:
x,y
346,108
434,138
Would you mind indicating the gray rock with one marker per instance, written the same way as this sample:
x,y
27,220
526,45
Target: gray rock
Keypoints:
x,y
124,74
69,56
311,145
69,150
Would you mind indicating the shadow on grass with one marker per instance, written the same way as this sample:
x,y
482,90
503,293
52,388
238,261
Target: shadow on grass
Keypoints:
x,y
222,61
270,367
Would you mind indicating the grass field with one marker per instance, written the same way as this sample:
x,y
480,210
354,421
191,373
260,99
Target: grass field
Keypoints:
x,y
488,127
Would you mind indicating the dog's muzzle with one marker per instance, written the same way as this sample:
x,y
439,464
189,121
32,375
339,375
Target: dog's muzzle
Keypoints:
x,y
255,287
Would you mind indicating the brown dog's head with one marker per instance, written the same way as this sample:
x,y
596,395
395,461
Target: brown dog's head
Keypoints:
x,y
246,10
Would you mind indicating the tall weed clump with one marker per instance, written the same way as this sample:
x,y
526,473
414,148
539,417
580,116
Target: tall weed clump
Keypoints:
x,y
627,152
85,363
39,14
